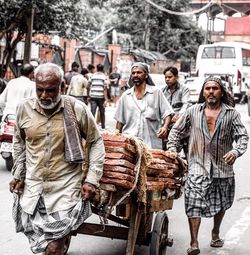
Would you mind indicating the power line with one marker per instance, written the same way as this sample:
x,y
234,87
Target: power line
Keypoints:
x,y
182,13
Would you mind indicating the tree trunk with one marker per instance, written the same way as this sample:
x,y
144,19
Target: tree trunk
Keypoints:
x,y
9,51
28,38
146,36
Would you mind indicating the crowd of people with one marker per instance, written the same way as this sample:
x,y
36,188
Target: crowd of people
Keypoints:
x,y
52,187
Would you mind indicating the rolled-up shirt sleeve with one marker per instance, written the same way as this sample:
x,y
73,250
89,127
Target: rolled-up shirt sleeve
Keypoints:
x,y
94,147
240,136
185,100
179,131
165,107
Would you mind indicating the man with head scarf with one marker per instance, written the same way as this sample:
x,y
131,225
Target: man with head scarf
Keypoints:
x,y
143,108
217,138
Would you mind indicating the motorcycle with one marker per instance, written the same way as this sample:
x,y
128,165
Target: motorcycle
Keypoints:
x,y
7,127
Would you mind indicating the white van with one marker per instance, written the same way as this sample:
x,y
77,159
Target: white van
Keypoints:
x,y
230,60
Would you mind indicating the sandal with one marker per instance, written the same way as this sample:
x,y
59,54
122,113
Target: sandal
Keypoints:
x,y
193,251
218,243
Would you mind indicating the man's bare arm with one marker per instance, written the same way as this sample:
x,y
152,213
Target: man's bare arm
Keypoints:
x,y
119,126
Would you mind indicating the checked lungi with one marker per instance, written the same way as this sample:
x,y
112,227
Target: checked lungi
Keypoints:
x,y
206,196
42,228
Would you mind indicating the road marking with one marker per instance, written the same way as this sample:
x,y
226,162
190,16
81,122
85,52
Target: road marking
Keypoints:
x,y
235,233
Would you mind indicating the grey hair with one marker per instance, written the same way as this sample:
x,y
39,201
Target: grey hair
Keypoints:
x,y
47,71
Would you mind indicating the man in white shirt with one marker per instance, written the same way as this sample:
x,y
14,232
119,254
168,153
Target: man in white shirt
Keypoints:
x,y
17,89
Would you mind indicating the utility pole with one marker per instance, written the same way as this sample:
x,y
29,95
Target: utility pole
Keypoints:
x,y
28,38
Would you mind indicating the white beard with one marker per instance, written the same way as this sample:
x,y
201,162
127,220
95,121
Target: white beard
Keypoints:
x,y
53,103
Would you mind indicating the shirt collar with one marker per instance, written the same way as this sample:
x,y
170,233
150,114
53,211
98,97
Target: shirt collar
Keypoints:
x,y
177,86
148,89
39,109
224,106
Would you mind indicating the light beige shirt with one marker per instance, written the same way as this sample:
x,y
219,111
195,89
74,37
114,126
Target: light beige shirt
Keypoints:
x,y
78,86
47,173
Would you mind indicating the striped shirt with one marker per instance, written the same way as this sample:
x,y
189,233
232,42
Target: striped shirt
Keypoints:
x,y
98,84
179,99
206,152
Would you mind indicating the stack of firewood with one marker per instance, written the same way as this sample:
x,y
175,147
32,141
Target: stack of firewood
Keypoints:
x,y
119,163
163,171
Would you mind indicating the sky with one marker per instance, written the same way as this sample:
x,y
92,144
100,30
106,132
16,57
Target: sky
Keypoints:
x,y
219,22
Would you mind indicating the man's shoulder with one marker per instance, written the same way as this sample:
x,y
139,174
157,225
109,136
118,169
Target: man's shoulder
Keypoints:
x,y
74,102
27,103
98,75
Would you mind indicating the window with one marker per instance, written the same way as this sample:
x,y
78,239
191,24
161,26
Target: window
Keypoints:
x,y
218,52
245,57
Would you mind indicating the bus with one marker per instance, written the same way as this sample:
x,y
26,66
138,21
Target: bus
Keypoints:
x,y
229,60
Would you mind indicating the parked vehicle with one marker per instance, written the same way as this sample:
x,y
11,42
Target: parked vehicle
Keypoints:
x,y
158,79
226,59
7,126
195,85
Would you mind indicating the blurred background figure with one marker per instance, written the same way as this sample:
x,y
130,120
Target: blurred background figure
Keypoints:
x,y
68,76
3,84
91,69
244,89
98,93
78,87
114,79
17,89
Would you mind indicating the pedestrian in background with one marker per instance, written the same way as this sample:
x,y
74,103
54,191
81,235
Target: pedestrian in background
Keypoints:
x,y
217,138
143,108
114,79
3,85
68,76
85,73
17,89
98,93
243,91
78,87
51,186
91,69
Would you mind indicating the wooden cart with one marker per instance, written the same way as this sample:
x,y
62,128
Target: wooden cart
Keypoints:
x,y
139,223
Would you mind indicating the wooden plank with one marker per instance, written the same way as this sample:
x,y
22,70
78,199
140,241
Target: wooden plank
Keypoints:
x,y
135,220
104,231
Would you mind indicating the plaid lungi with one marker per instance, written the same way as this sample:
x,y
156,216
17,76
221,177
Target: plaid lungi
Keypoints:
x,y
42,228
205,197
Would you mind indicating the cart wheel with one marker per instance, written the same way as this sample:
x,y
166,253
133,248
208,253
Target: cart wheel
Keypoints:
x,y
67,244
159,238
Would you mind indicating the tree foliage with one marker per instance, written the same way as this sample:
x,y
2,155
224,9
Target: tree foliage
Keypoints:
x,y
137,22
152,29
64,17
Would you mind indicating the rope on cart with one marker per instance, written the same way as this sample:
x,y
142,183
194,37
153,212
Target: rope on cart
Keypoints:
x,y
143,160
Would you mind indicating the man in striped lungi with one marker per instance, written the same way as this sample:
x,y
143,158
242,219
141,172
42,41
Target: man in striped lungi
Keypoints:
x,y
214,125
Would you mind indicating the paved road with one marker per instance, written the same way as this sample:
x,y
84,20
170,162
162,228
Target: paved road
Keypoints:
x,y
235,228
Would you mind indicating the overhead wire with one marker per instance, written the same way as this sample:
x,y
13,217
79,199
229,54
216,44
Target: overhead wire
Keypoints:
x,y
209,4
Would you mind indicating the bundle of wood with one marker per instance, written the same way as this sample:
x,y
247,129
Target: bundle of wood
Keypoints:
x,y
119,163
164,171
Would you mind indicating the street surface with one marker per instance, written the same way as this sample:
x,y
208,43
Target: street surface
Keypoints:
x,y
235,228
